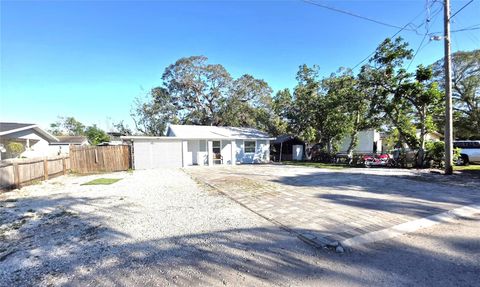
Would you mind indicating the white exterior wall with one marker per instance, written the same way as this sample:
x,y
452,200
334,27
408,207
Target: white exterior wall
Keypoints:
x,y
35,149
155,152
261,154
365,142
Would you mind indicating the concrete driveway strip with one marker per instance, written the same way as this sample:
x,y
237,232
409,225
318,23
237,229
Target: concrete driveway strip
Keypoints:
x,y
347,207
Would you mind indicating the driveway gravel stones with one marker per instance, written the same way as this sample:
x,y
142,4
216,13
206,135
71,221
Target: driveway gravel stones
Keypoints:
x,y
159,228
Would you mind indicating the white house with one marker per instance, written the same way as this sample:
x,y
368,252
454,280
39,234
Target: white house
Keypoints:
x,y
64,142
187,145
369,141
430,136
35,140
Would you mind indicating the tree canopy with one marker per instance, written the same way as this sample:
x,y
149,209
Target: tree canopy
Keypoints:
x,y
69,126
383,95
199,93
465,92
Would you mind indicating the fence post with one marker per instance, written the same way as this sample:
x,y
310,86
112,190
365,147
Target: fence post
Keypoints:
x,y
16,175
45,169
64,166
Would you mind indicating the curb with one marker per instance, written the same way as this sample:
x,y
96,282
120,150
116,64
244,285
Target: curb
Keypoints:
x,y
411,226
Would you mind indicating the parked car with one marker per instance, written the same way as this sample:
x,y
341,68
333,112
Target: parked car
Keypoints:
x,y
469,151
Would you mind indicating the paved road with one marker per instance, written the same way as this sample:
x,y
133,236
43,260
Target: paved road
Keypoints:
x,y
335,205
157,228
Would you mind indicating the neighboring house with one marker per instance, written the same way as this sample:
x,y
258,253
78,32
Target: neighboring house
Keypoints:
x,y
187,145
64,142
369,141
35,141
115,139
287,147
430,136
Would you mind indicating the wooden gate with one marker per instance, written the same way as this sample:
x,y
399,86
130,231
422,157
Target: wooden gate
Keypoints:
x,y
93,159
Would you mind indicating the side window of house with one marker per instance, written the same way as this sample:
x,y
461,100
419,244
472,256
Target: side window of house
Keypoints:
x,y
249,147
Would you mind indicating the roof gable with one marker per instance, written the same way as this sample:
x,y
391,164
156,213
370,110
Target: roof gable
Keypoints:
x,y
10,128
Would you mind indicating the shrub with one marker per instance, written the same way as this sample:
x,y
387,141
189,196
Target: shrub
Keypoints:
x,y
15,148
435,153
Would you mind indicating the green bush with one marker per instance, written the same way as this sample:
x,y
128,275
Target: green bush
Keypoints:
x,y
15,148
435,153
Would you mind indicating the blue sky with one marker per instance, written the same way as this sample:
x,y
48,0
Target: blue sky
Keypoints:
x,y
90,59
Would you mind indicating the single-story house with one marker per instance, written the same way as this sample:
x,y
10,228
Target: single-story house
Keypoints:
x,y
34,140
64,142
115,139
187,145
287,147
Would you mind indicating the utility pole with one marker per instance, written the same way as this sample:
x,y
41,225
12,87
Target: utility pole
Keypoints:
x,y
448,93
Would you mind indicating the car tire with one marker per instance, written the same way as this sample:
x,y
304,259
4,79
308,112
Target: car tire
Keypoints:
x,y
464,159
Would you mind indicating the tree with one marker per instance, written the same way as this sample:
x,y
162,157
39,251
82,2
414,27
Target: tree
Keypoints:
x,y
67,126
96,135
425,99
386,74
71,127
248,104
281,112
122,128
407,100
465,92
197,89
349,99
151,115
319,109
305,103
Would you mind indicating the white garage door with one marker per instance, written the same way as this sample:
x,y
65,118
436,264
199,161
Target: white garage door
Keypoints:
x,y
153,154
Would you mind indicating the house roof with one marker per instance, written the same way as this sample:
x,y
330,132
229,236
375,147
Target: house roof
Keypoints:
x,y
285,138
10,128
214,132
71,139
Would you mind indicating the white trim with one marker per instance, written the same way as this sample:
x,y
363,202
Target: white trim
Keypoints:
x,y
250,140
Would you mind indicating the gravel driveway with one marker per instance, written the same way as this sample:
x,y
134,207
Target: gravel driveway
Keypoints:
x,y
158,227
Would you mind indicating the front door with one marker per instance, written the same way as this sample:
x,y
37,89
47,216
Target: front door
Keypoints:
x,y
217,152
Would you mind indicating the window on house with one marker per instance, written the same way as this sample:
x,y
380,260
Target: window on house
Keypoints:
x,y
249,146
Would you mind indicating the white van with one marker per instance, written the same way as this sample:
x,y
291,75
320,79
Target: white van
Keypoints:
x,y
469,151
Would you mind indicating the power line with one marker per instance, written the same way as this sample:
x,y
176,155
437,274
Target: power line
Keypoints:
x,y
393,36
458,11
418,50
469,28
427,30
358,16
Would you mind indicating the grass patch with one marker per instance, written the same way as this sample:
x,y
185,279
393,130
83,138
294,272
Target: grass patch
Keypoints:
x,y
475,167
316,164
102,181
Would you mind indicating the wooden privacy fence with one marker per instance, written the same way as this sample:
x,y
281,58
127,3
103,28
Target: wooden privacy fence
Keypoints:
x,y
92,159
16,172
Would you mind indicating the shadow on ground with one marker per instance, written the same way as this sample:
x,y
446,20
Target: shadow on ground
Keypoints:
x,y
63,248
